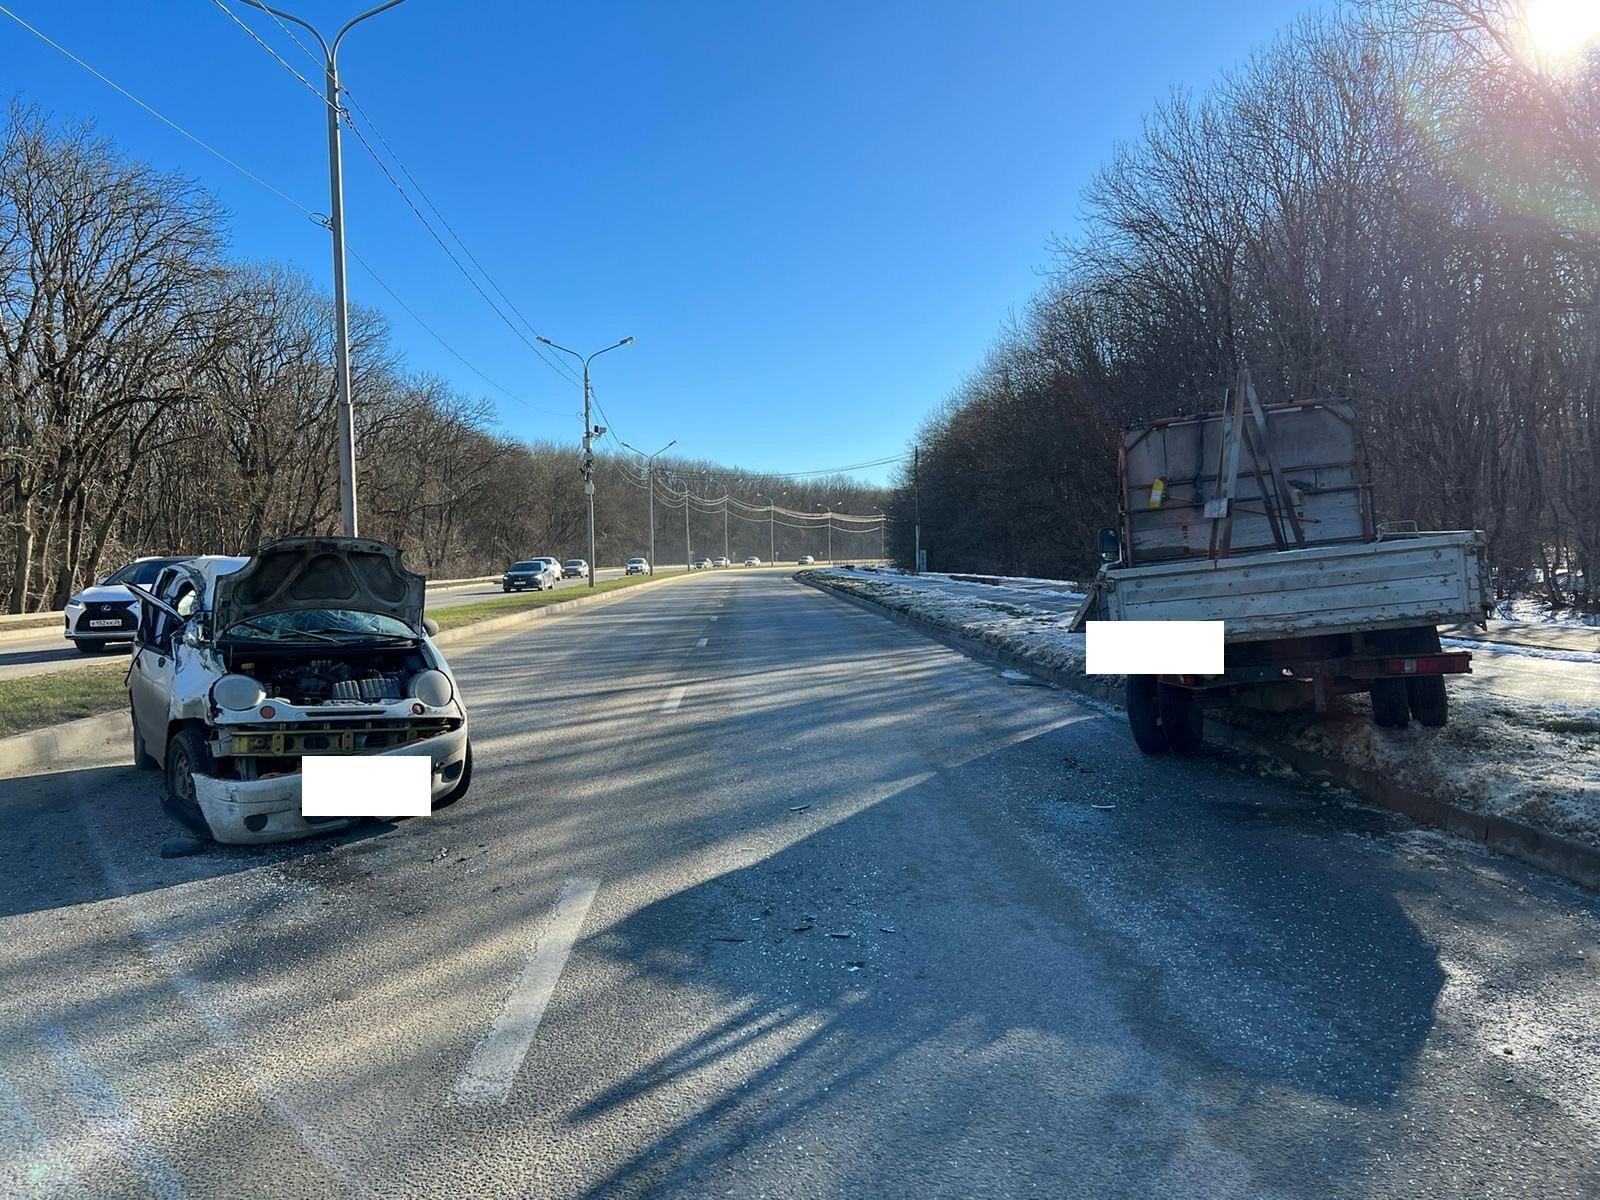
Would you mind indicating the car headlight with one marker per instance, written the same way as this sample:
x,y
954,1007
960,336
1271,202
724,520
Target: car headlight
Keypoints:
x,y
237,692
431,687
74,604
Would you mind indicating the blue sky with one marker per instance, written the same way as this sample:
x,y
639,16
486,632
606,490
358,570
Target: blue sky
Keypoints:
x,y
813,218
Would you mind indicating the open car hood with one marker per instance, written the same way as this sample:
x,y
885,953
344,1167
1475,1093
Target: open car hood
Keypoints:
x,y
295,574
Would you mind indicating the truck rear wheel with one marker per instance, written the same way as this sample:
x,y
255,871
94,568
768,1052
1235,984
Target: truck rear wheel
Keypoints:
x,y
1429,703
1182,718
1144,715
1391,705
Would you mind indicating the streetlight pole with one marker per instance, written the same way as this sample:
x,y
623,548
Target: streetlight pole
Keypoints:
x,y
341,308
772,528
883,544
724,522
650,481
589,431
829,507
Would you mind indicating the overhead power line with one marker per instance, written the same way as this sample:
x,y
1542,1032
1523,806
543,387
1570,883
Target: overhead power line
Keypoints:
x,y
262,183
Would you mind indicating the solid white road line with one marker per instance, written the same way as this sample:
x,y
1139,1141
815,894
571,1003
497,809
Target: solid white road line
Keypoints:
x,y
674,698
111,1120
701,644
220,1025
30,1165
489,1074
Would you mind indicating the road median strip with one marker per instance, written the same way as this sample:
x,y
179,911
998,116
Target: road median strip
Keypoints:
x,y
1049,654
45,718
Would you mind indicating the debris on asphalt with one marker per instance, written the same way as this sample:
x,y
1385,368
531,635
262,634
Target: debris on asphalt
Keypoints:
x,y
843,933
804,928
885,929
442,854
1103,807
798,807
855,964
729,939
181,846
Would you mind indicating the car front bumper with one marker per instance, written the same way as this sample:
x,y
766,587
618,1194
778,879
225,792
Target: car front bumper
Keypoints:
x,y
251,812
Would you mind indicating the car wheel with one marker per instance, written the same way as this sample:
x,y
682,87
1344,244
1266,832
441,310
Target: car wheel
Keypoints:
x,y
1391,706
505,587
187,756
1427,699
1182,719
87,647
142,758
1144,715
461,786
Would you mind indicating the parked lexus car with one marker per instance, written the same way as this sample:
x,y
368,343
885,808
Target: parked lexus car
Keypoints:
x,y
532,573
636,566
108,612
313,646
574,568
752,561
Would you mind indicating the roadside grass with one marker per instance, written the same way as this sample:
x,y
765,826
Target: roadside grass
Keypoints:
x,y
43,621
482,610
34,701
1573,725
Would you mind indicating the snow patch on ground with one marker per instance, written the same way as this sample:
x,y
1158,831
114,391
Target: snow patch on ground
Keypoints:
x,y
1481,647
1521,759
1525,608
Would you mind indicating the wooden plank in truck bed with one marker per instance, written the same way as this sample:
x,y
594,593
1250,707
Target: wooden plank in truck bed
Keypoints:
x,y
1428,580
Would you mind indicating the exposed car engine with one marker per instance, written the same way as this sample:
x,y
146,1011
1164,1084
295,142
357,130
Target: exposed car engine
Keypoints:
x,y
364,678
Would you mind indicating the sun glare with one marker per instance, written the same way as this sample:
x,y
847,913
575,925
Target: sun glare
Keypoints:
x,y
1561,28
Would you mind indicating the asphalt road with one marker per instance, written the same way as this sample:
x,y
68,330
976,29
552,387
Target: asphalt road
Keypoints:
x,y
36,652
849,915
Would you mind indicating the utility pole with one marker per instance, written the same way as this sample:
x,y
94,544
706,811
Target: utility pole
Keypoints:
x,y
688,555
341,306
724,523
590,431
829,507
650,481
916,508
772,528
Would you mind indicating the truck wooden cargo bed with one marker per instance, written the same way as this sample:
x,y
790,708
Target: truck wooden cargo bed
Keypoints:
x,y
1428,579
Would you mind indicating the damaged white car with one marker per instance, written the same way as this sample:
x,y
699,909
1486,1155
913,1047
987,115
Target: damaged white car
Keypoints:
x,y
313,646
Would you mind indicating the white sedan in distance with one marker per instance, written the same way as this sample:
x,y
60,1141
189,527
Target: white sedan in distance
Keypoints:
x,y
752,561
636,566
806,561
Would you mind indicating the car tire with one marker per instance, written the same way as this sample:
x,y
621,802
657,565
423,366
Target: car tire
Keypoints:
x,y
142,758
505,587
1182,718
1144,715
87,647
1391,706
462,784
187,755
1428,701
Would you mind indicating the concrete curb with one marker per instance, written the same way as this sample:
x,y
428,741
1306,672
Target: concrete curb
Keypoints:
x,y
44,747
1577,862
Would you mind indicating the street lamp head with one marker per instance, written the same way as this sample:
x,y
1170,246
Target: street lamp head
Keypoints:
x,y
627,341
539,337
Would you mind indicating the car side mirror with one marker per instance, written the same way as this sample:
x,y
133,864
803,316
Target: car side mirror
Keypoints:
x,y
1110,546
430,627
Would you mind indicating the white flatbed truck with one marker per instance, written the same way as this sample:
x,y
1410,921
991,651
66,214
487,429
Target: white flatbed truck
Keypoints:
x,y
1261,517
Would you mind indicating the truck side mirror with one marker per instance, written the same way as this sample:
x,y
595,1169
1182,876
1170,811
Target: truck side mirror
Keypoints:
x,y
430,626
1110,546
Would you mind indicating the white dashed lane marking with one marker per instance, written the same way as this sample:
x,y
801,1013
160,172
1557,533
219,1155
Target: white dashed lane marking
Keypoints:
x,y
489,1074
674,698
701,644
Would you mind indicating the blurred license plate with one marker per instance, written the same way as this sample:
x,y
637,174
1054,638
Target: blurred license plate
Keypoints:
x,y
105,624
